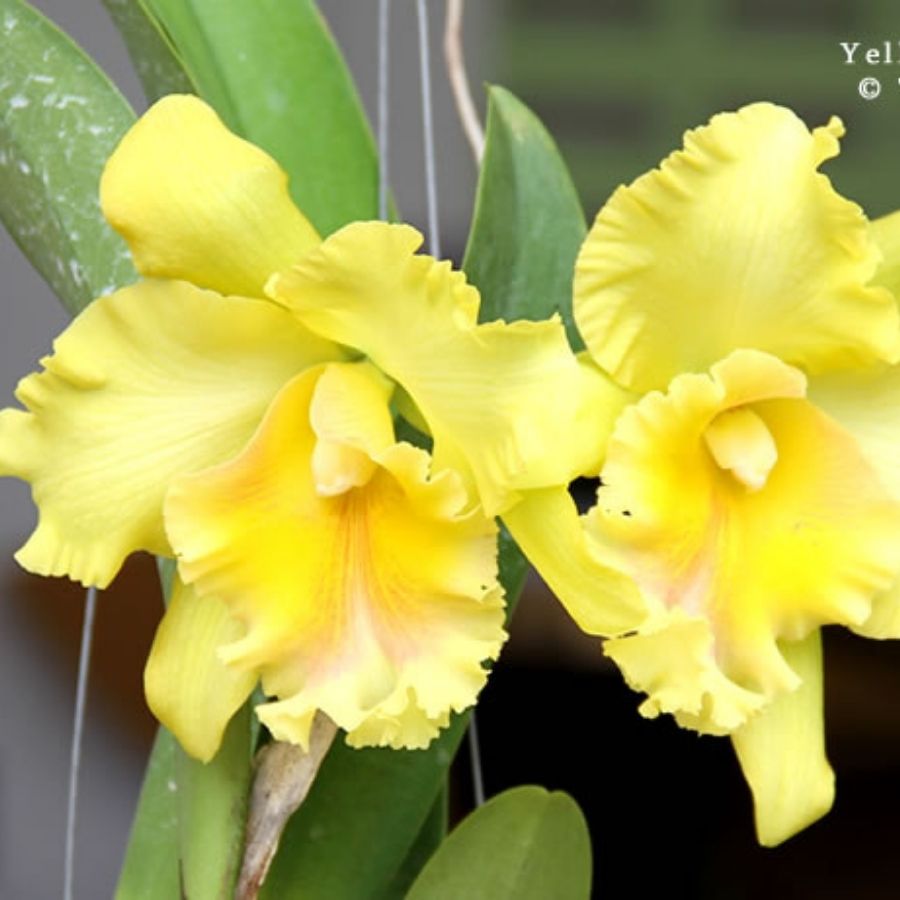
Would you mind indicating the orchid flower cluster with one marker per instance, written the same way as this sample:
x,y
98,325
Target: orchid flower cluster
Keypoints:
x,y
236,410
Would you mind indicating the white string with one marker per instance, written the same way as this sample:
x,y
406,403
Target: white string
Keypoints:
x,y
434,238
84,664
383,93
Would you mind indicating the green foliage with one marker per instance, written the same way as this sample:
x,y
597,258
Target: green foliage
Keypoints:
x,y
528,222
273,72
151,870
360,820
212,807
188,831
157,66
60,118
524,844
430,837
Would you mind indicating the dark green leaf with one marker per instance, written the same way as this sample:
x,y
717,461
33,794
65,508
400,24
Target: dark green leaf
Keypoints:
x,y
60,118
157,66
273,72
360,820
528,222
430,838
524,844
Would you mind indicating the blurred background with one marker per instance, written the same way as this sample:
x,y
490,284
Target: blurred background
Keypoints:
x,y
617,82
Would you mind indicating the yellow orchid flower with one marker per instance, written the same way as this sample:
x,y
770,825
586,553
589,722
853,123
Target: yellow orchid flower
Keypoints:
x,y
749,392
234,409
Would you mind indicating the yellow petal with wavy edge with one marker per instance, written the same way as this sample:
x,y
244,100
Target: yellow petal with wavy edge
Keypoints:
x,y
189,689
195,202
782,751
548,530
376,606
735,241
867,404
754,564
672,659
499,399
156,380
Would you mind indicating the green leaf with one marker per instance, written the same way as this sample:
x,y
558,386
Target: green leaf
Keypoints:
x,y
188,830
430,838
157,66
212,807
367,808
60,118
150,869
274,73
528,222
360,820
524,844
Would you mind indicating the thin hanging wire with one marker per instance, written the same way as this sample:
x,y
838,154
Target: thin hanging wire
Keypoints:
x,y
475,761
384,7
434,248
434,238
84,665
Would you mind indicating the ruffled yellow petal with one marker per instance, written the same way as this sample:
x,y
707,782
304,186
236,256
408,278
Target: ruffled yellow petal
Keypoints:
x,y
547,528
195,202
672,658
189,689
782,751
735,241
499,399
812,542
376,605
154,381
